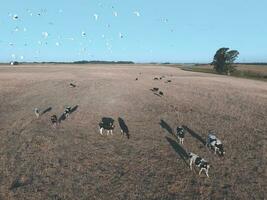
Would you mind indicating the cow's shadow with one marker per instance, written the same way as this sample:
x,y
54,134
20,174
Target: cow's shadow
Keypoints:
x,y
46,110
124,127
195,135
166,126
73,109
61,118
178,149
157,94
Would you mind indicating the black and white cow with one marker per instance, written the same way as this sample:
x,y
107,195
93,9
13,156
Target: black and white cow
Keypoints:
x,y
67,111
202,164
106,124
54,120
215,144
155,89
180,133
37,112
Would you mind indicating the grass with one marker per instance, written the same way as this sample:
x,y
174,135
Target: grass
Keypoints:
x,y
242,71
250,74
196,69
73,161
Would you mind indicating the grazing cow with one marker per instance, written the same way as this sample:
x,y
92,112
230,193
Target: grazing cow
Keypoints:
x,y
202,164
215,144
180,133
54,120
155,89
106,125
72,85
37,113
67,111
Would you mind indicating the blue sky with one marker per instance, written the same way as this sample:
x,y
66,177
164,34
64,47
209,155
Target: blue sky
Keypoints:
x,y
137,30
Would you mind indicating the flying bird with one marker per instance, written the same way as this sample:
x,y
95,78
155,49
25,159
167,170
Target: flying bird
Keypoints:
x,y
96,16
83,34
136,13
45,34
115,14
15,17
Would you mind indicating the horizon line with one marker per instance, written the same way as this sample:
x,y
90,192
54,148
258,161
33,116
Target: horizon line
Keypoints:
x,y
118,62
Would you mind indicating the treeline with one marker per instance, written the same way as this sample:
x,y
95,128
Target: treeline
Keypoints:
x,y
256,63
75,62
102,62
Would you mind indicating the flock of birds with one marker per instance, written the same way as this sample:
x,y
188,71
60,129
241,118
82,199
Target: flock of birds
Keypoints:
x,y
45,34
48,38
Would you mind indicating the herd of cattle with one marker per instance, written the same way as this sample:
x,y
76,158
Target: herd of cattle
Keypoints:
x,y
54,119
107,124
212,143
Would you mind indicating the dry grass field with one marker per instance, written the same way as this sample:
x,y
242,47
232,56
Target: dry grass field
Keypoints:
x,y
258,72
74,161
243,67
262,69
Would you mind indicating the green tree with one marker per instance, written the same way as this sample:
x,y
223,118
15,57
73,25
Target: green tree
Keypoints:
x,y
223,60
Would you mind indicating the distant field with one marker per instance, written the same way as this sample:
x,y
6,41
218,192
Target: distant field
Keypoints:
x,y
243,70
253,68
75,162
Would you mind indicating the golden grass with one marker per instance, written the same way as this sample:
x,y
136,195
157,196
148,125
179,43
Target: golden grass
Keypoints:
x,y
75,162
